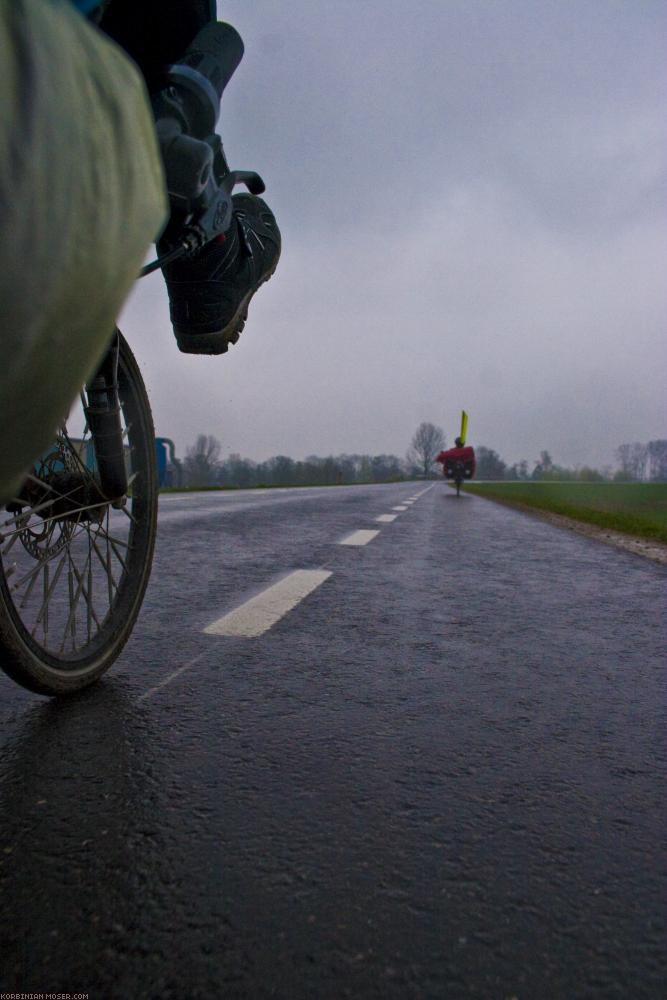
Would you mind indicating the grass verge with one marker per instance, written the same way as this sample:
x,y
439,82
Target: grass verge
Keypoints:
x,y
638,509
277,486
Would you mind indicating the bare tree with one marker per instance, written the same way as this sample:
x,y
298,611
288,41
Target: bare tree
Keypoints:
x,y
201,460
427,441
657,453
543,467
632,459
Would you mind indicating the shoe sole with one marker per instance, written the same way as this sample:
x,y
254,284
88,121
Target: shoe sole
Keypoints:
x,y
220,341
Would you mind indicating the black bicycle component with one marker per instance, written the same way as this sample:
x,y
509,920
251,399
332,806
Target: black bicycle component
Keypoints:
x,y
186,113
67,494
103,417
199,181
197,81
159,262
214,205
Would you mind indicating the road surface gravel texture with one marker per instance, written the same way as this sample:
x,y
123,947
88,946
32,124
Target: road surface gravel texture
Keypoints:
x,y
439,775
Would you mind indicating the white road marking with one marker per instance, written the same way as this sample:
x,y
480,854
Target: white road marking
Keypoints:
x,y
386,518
169,678
399,508
260,613
167,497
362,537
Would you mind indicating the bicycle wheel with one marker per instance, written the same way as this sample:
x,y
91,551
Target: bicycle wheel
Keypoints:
x,y
73,567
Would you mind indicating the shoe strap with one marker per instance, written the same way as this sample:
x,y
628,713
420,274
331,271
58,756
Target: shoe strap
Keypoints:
x,y
245,229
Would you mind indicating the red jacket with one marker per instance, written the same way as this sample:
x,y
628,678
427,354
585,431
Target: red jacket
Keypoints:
x,y
451,456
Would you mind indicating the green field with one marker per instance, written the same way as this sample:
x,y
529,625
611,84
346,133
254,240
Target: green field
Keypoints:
x,y
633,508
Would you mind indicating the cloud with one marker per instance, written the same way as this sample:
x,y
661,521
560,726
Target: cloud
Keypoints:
x,y
472,198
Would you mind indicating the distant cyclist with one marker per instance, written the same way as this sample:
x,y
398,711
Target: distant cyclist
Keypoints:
x,y
458,463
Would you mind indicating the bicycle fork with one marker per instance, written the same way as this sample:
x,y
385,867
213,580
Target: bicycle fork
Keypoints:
x,y
103,416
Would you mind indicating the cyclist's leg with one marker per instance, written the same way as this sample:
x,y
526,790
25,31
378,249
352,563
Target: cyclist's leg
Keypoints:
x,y
155,32
209,294
82,195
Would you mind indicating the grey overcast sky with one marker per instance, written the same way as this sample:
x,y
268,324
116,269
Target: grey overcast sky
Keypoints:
x,y
472,196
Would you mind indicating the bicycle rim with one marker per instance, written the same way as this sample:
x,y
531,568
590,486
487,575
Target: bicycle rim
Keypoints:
x,y
71,585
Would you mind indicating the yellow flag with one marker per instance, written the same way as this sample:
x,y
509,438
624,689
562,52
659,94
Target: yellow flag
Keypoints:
x,y
464,426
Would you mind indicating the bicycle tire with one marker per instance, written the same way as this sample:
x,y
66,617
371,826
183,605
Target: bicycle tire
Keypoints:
x,y
31,652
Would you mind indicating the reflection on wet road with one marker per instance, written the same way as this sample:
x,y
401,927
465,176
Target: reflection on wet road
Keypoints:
x,y
435,768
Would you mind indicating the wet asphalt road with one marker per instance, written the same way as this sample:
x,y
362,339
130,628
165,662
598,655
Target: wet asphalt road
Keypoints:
x,y
441,775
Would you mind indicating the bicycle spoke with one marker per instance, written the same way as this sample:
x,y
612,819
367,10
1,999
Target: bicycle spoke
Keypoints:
x,y
35,509
14,518
74,603
89,595
70,622
56,517
107,566
127,514
117,553
44,610
118,541
43,485
34,572
46,598
15,535
28,592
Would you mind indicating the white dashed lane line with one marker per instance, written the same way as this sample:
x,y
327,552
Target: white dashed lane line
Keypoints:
x,y
362,537
263,611
260,613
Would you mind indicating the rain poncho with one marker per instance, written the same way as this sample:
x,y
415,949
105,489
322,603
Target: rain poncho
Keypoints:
x,y
82,197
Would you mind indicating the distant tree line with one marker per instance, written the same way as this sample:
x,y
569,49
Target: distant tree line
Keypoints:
x,y
203,465
636,463
491,466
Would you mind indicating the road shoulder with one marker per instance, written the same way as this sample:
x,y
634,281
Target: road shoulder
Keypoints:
x,y
645,547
